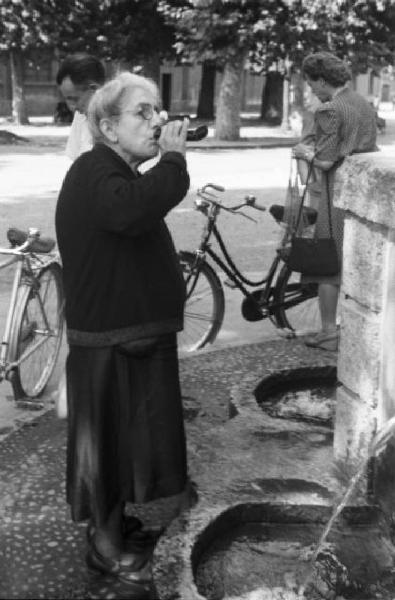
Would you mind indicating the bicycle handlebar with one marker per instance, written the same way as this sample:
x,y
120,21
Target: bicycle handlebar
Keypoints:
x,y
214,186
251,201
210,198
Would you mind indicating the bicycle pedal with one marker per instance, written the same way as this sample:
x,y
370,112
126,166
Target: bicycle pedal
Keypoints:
x,y
230,284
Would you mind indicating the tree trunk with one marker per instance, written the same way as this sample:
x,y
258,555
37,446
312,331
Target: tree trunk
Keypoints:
x,y
205,109
227,123
272,98
285,124
298,91
19,110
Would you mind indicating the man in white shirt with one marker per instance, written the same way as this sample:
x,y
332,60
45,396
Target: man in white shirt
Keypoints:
x,y
80,139
78,77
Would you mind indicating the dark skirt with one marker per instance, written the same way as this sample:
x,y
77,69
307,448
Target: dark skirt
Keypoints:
x,y
126,439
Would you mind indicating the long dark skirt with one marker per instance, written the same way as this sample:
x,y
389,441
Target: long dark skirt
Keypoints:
x,y
126,439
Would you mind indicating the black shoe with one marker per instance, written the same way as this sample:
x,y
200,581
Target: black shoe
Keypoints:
x,y
129,569
135,537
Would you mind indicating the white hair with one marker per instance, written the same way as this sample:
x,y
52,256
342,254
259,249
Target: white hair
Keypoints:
x,y
107,100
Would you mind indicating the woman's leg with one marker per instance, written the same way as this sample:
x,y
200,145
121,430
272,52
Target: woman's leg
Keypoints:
x,y
328,337
108,534
328,295
108,554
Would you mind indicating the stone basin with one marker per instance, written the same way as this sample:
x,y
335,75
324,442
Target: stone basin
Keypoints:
x,y
261,552
302,394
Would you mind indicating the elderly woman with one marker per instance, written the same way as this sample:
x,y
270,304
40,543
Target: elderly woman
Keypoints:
x,y
344,124
124,304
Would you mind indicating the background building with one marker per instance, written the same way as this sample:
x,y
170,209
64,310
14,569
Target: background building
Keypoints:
x,y
179,87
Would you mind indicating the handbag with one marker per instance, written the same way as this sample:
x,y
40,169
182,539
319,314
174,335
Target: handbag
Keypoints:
x,y
313,256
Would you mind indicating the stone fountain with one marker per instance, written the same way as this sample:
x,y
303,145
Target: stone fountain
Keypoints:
x,y
267,482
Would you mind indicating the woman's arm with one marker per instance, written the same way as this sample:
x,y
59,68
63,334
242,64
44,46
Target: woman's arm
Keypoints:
x,y
131,206
326,147
306,153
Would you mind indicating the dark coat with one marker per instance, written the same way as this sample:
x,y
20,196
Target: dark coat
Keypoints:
x,y
121,274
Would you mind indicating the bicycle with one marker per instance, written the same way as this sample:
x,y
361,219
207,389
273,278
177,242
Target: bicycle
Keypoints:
x,y
34,323
290,304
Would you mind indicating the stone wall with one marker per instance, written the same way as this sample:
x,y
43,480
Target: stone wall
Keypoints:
x,y
365,189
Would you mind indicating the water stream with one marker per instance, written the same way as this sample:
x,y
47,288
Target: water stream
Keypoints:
x,y
377,445
281,559
338,508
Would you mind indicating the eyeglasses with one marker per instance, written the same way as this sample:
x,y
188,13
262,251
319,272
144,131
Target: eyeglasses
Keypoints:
x,y
146,111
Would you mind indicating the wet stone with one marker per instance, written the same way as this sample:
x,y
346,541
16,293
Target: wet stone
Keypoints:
x,y
283,488
275,556
302,401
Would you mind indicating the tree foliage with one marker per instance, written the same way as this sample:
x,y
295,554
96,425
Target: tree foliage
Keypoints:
x,y
122,30
362,31
219,29
135,29
67,26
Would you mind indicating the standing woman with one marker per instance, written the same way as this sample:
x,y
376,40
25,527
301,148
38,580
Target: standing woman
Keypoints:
x,y
124,304
344,124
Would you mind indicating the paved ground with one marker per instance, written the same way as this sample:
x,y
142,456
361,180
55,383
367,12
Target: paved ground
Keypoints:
x,y
40,550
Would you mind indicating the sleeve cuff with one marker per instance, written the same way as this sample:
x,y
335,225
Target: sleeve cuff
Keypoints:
x,y
174,157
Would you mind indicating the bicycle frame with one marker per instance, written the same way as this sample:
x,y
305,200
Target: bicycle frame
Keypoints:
x,y
267,281
276,296
204,249
25,272
265,303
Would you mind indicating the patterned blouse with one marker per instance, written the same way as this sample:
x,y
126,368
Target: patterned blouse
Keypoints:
x,y
345,125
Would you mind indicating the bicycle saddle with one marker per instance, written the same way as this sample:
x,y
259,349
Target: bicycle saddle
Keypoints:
x,y
277,211
41,245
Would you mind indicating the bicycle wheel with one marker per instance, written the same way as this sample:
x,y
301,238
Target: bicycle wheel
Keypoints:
x,y
297,302
36,334
205,304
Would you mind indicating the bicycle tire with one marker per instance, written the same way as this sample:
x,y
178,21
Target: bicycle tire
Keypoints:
x,y
31,376
298,309
205,304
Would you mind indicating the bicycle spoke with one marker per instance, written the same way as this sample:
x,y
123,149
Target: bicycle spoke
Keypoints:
x,y
204,307
39,334
197,297
197,316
